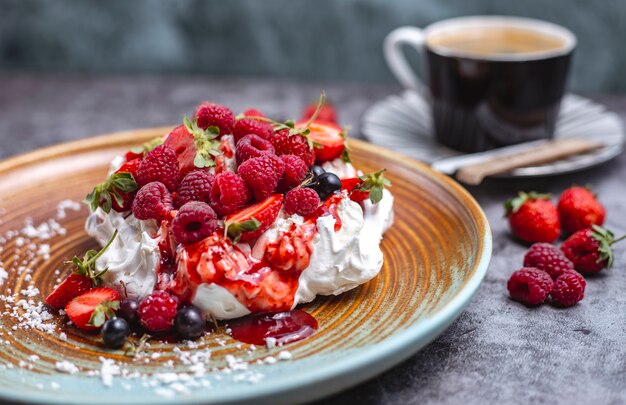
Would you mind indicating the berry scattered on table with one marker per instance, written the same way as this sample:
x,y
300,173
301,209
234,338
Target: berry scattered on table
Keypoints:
x,y
533,217
160,164
569,288
91,309
196,186
530,286
590,249
190,323
548,258
157,311
262,175
153,201
115,331
579,209
214,115
194,221
302,201
326,184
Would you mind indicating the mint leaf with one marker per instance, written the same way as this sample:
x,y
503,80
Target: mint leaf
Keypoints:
x,y
234,230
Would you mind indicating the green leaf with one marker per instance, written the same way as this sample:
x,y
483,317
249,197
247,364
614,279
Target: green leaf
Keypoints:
x,y
87,265
513,205
234,230
102,312
374,183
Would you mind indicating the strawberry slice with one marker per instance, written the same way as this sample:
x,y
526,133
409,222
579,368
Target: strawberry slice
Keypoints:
x,y
73,286
252,221
90,310
182,142
328,139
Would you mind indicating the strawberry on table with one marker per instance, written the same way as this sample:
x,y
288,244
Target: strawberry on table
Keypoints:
x,y
91,309
579,209
590,249
251,222
533,217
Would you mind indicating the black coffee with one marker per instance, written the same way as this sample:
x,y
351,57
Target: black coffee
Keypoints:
x,y
484,97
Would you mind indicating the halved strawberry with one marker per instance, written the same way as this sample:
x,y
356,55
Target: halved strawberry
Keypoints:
x,y
182,142
90,310
73,286
328,139
252,221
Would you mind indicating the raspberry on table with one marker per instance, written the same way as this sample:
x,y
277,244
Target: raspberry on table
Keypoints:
x,y
229,193
530,285
569,288
215,115
286,144
196,186
153,201
252,146
548,258
295,172
194,221
160,164
157,311
302,201
247,126
262,174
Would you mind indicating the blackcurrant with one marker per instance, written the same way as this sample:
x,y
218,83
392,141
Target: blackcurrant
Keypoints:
x,y
115,331
317,171
128,311
190,323
326,184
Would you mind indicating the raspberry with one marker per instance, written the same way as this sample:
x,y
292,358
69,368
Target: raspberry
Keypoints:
x,y
548,258
251,112
285,144
229,193
196,186
153,201
215,115
160,164
194,221
157,311
530,285
262,174
247,126
302,201
569,288
252,146
295,172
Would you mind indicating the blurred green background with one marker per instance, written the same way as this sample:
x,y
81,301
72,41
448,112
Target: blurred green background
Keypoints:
x,y
305,40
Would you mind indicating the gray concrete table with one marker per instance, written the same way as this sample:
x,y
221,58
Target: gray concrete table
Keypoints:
x,y
497,352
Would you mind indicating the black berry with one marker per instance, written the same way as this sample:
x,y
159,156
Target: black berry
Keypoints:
x,y
326,184
128,311
190,323
316,171
115,331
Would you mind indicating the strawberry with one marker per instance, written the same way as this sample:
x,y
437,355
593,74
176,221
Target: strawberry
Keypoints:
x,y
328,139
73,286
326,112
369,185
182,142
90,310
579,209
590,249
115,192
127,198
249,223
533,217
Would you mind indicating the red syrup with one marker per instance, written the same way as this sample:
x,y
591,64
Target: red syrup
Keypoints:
x,y
285,327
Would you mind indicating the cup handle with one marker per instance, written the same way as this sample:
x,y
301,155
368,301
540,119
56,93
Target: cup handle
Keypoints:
x,y
395,56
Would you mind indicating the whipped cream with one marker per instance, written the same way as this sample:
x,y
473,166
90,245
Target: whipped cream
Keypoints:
x,y
132,258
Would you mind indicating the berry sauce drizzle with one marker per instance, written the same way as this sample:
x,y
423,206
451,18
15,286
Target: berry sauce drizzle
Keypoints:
x,y
285,327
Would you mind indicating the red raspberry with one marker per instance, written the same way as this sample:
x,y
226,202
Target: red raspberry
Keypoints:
x,y
302,201
247,126
157,311
548,258
160,164
530,285
251,112
262,174
252,146
285,144
196,186
569,288
153,201
229,193
295,172
193,222
215,115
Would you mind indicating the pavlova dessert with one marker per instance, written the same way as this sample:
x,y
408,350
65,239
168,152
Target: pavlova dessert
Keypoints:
x,y
224,217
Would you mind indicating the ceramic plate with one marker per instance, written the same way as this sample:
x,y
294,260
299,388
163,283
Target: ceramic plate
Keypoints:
x,y
436,255
403,122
